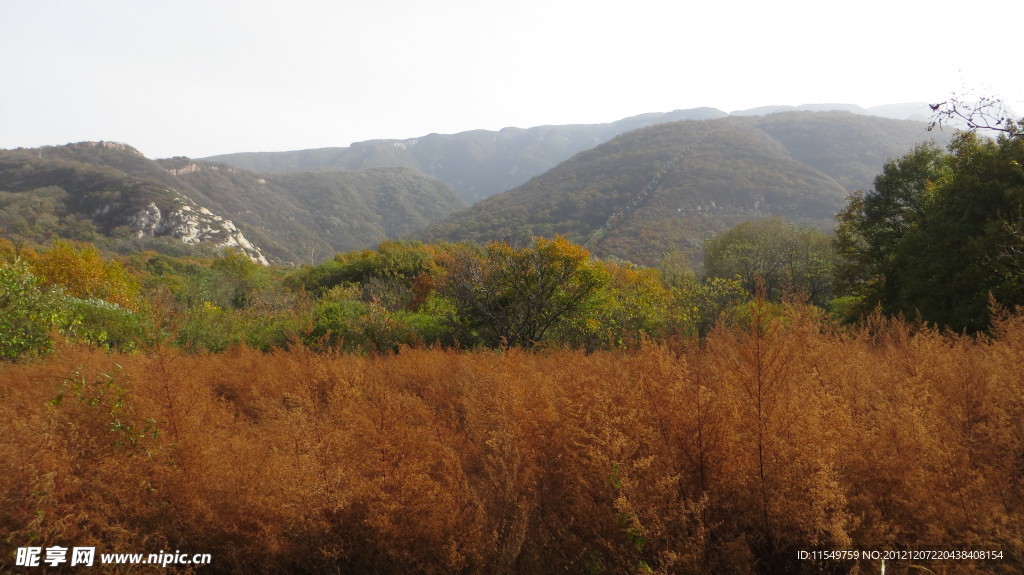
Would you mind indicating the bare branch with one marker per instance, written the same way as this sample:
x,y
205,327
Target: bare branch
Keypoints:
x,y
987,114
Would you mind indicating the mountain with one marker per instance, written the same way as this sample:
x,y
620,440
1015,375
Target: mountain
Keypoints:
x,y
106,191
917,111
476,164
668,186
850,148
93,189
480,163
303,216
711,170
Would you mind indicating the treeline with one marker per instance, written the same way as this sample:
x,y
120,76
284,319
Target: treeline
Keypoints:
x,y
549,293
726,455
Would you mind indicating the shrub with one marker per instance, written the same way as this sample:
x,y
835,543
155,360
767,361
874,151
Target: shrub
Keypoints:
x,y
29,312
106,324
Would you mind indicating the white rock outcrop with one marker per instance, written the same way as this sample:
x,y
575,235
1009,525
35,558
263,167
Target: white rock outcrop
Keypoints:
x,y
147,221
193,224
188,168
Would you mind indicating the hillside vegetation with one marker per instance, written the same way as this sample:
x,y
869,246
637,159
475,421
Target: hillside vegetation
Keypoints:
x,y
721,172
96,191
711,175
480,163
849,148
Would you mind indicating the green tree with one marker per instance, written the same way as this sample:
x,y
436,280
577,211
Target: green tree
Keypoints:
x,y
385,275
240,276
939,234
873,223
786,258
516,295
633,306
107,325
698,305
963,249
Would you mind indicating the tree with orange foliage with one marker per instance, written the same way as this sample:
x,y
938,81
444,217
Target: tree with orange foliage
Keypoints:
x,y
85,274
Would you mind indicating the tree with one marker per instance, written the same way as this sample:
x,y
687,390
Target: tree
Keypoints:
x,y
699,305
633,306
785,257
386,274
240,276
939,234
963,248
85,274
516,295
873,223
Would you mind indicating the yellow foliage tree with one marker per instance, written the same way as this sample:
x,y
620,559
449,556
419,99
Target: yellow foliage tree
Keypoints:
x,y
83,272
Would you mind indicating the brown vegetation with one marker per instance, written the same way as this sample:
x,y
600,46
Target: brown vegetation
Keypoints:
x,y
724,456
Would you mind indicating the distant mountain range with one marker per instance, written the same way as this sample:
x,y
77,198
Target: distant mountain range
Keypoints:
x,y
917,111
669,186
702,169
478,164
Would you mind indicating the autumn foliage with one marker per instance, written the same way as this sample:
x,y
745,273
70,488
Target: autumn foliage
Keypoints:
x,y
725,455
84,273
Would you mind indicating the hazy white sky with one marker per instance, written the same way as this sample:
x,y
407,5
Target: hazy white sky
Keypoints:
x,y
204,77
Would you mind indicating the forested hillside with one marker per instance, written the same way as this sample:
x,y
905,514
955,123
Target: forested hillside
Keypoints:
x,y
849,148
111,194
798,165
304,217
480,163
107,193
709,175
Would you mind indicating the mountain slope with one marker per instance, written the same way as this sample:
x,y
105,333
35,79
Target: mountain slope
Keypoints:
x,y
361,208
710,175
851,148
476,164
112,190
299,215
78,191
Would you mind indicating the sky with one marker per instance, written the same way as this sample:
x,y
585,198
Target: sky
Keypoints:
x,y
204,77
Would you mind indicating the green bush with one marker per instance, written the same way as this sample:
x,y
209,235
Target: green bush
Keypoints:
x,y
106,324
210,327
337,324
29,313
427,329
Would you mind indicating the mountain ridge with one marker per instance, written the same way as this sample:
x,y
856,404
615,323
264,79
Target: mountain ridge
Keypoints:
x,y
298,216
798,165
475,163
95,190
481,163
